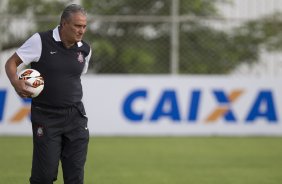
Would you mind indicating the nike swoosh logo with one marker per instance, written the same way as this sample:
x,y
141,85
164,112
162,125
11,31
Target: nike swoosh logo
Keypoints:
x,y
53,52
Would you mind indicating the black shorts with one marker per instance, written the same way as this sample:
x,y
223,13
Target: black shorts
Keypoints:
x,y
59,134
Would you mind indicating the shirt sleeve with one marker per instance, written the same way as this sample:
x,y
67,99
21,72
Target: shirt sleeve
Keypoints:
x,y
87,58
31,50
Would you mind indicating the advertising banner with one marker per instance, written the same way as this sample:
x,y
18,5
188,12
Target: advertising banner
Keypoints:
x,y
145,105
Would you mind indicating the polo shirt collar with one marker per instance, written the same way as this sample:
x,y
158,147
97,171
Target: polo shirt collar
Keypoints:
x,y
57,38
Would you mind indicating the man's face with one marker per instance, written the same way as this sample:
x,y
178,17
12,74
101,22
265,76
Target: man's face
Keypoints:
x,y
75,27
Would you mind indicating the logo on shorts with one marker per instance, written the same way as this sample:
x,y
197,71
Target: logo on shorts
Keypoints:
x,y
80,57
40,131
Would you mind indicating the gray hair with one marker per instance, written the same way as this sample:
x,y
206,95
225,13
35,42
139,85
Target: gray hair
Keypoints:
x,y
71,9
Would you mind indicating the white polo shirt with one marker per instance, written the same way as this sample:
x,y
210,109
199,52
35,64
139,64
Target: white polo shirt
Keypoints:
x,y
31,50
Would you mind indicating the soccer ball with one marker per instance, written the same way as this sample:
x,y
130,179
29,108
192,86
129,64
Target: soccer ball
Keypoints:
x,y
34,78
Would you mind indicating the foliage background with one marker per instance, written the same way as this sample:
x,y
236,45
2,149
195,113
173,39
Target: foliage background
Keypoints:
x,y
134,37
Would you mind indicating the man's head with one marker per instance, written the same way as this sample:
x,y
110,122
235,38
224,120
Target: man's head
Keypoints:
x,y
73,24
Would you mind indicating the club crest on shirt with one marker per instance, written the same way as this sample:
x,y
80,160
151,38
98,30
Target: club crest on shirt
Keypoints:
x,y
80,57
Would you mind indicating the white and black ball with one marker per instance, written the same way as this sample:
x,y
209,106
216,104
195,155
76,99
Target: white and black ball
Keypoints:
x,y
34,78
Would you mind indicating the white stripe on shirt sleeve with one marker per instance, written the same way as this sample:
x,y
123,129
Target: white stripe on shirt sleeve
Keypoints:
x,y
31,50
87,58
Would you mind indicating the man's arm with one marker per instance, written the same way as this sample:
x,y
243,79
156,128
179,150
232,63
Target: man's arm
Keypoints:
x,y
11,70
87,58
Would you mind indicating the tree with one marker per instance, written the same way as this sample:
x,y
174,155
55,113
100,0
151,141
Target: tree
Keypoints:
x,y
265,32
39,15
123,47
138,46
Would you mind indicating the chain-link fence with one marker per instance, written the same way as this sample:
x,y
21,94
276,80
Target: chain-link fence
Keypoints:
x,y
160,36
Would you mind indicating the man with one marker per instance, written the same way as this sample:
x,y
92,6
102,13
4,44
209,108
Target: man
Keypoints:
x,y
59,122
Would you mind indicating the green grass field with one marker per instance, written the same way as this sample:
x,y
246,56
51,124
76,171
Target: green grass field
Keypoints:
x,y
161,160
